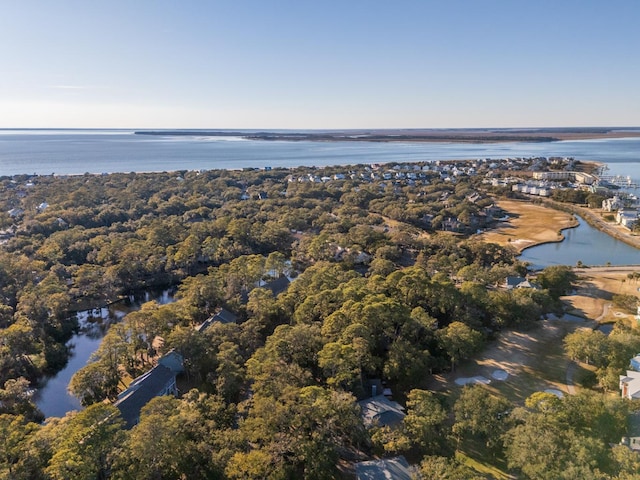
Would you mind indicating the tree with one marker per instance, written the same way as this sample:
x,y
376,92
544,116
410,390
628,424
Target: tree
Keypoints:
x,y
443,468
16,398
255,464
558,279
627,302
459,341
303,430
481,414
15,432
92,383
407,363
157,446
230,372
590,346
425,420
86,444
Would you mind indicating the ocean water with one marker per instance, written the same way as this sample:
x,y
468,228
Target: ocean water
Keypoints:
x,y
44,152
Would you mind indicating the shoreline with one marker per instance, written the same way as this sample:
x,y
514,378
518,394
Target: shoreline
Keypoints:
x,y
473,135
560,239
597,222
528,225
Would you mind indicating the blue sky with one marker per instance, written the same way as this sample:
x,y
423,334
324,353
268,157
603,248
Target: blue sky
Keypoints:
x,y
319,64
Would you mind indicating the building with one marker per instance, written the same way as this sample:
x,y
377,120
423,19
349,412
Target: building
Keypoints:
x,y
555,176
381,411
612,204
223,316
635,363
159,381
518,282
632,441
584,178
627,218
630,385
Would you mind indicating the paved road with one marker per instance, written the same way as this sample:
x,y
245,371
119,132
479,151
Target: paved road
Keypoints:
x,y
608,269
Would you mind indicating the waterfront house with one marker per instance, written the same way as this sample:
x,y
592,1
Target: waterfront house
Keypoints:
x,y
627,218
612,204
518,282
159,381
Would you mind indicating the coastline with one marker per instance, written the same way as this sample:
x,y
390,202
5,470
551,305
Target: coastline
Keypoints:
x,y
473,135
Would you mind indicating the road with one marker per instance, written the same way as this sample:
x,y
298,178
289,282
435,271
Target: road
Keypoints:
x,y
608,269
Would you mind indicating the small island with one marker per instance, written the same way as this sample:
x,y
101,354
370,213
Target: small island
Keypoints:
x,y
473,135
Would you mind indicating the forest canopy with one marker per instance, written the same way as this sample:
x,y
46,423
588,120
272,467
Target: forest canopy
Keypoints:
x,y
387,284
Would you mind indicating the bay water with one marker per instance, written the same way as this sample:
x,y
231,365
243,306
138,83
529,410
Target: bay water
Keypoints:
x,y
44,152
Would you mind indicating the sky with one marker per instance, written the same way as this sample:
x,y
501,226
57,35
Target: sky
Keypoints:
x,y
323,64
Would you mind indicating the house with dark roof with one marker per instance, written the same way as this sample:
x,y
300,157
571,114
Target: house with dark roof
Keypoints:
x,y
159,381
632,440
277,285
381,411
518,282
223,316
396,468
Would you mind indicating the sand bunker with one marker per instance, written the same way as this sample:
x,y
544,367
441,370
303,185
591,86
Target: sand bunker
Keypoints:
x,y
499,374
555,392
468,380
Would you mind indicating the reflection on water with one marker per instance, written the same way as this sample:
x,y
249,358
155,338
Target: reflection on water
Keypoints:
x,y
52,398
584,244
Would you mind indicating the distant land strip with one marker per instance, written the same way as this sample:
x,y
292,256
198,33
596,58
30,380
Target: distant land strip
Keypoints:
x,y
414,135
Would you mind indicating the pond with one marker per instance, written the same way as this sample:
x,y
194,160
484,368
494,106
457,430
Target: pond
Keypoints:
x,y
585,244
52,397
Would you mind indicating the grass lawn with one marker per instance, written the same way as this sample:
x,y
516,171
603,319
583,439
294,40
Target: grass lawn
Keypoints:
x,y
497,469
535,361
528,225
594,294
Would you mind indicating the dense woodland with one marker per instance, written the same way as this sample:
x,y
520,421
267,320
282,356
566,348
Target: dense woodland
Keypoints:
x,y
379,293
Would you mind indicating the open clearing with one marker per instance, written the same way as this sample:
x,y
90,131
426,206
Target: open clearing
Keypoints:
x,y
595,290
533,361
528,225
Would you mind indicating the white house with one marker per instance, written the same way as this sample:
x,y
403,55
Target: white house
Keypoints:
x,y
630,385
627,218
612,204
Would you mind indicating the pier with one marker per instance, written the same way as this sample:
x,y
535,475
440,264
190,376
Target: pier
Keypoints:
x,y
618,180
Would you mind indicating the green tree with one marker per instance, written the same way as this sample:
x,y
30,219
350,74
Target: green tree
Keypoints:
x,y
425,423
459,341
558,279
86,444
15,432
590,346
481,414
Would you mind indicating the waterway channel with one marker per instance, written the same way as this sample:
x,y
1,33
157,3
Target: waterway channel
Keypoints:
x,y
585,244
52,397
